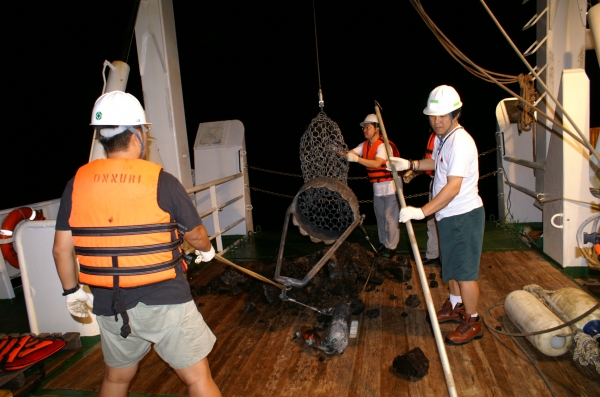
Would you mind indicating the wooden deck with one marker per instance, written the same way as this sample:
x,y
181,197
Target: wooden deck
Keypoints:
x,y
256,356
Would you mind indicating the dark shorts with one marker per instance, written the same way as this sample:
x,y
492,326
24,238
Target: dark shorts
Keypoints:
x,y
461,241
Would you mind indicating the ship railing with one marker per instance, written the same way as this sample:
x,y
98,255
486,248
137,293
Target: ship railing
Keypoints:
x,y
216,208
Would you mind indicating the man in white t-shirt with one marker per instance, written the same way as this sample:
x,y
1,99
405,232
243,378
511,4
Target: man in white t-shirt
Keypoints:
x,y
458,210
372,154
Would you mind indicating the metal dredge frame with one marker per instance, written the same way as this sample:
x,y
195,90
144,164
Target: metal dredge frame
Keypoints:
x,y
316,234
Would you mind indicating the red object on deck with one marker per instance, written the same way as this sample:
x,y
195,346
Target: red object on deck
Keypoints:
x,y
8,227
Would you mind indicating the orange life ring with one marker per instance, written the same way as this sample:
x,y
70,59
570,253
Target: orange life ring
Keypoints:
x,y
8,226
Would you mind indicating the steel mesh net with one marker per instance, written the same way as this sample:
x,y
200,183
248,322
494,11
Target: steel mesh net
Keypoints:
x,y
319,150
325,209
319,157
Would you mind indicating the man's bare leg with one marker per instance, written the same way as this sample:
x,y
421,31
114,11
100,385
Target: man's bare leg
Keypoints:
x,y
454,287
116,381
469,291
199,380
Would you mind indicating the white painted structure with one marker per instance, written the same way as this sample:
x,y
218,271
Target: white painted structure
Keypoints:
x,y
518,145
161,81
7,272
565,170
220,152
46,308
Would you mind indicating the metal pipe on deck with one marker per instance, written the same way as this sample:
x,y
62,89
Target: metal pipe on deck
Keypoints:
x,y
423,278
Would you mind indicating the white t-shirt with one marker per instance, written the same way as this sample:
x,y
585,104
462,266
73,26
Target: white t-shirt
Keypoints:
x,y
380,188
457,156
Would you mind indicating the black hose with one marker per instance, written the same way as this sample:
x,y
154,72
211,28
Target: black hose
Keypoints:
x,y
568,323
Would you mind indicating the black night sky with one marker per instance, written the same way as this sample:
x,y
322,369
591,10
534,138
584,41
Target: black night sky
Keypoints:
x,y
256,62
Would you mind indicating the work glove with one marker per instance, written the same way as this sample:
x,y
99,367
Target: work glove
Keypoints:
x,y
400,163
408,213
205,256
352,157
78,302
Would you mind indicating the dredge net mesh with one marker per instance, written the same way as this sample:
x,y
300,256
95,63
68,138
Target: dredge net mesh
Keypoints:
x,y
326,209
319,150
319,157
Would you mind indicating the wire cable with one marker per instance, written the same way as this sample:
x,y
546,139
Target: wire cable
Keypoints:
x,y
316,44
456,54
586,142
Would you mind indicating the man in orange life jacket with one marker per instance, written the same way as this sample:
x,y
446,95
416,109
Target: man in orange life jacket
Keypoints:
x,y
458,210
372,154
125,218
432,255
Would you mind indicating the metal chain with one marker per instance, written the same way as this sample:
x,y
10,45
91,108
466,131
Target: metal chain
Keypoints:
x,y
366,201
274,194
488,152
406,197
274,172
349,178
493,173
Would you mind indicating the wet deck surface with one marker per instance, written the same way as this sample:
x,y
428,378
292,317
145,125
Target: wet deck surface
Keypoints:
x,y
256,356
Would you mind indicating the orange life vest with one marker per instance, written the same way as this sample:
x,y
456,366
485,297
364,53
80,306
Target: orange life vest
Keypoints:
x,y
25,350
379,174
429,150
122,237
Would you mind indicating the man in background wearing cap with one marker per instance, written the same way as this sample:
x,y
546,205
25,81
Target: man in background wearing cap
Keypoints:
x,y
373,155
126,218
458,210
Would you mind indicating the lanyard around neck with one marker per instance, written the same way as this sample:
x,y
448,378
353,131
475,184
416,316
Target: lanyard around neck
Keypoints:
x,y
442,141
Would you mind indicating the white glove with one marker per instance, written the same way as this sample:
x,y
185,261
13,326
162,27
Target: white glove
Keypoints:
x,y
352,157
400,163
77,303
205,256
408,213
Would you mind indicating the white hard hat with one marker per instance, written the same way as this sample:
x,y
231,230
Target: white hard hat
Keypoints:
x,y
118,108
442,100
371,118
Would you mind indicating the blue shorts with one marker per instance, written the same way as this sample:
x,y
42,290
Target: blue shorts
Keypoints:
x,y
461,242
178,332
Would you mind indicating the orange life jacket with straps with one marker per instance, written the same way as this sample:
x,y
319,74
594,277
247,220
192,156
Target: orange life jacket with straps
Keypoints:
x,y
25,350
122,237
379,174
429,150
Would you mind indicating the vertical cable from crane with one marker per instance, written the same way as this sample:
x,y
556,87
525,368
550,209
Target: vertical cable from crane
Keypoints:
x,y
321,101
130,32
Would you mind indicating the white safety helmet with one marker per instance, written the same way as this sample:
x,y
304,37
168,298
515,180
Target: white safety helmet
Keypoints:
x,y
371,118
442,100
118,108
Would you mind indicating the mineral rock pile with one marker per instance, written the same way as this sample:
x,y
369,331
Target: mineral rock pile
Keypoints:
x,y
350,270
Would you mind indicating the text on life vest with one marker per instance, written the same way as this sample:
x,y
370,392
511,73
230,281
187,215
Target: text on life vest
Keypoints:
x,y
117,178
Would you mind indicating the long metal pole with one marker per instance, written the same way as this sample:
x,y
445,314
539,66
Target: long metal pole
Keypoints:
x,y
413,243
249,272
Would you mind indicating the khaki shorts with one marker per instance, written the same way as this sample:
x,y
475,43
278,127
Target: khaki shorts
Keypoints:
x,y
178,332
